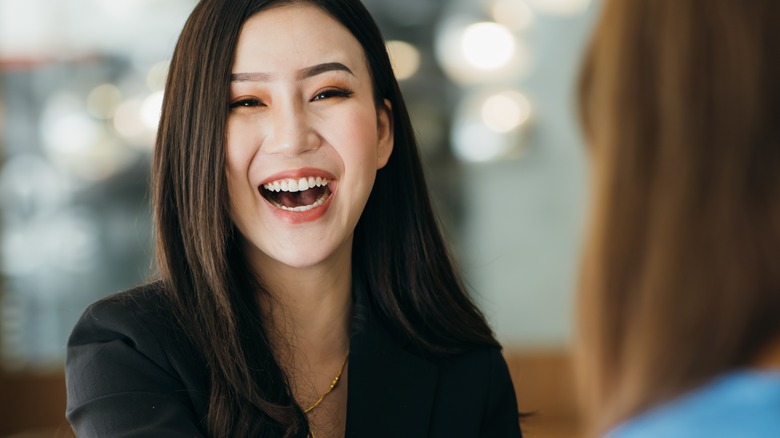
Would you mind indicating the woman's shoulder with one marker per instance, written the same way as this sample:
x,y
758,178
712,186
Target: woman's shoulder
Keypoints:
x,y
140,319
142,309
478,357
476,384
741,403
145,299
127,359
481,371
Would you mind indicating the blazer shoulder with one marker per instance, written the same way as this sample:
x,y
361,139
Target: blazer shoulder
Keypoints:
x,y
141,300
141,318
136,312
127,360
477,385
479,357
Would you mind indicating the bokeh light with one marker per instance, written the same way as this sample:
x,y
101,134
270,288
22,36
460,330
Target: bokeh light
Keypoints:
x,y
151,109
130,124
490,126
505,111
516,15
487,46
405,58
65,126
103,101
560,7
77,143
157,75
472,52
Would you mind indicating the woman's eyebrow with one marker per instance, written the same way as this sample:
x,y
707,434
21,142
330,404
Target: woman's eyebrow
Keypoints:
x,y
302,74
322,68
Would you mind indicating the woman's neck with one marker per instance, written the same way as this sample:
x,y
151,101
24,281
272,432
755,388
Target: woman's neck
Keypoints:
x,y
307,311
307,314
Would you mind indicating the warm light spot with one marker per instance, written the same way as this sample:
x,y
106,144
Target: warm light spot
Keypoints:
x,y
488,46
480,53
514,14
505,111
151,109
127,119
103,100
405,58
560,7
157,75
490,127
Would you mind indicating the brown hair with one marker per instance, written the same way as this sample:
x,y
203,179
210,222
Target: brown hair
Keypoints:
x,y
398,248
680,281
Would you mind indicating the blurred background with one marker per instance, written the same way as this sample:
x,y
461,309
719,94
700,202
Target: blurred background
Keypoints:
x,y
490,86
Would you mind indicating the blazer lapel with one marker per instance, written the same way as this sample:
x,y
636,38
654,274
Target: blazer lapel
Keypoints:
x,y
390,390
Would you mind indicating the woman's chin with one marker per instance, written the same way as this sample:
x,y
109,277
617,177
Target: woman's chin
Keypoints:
x,y
304,258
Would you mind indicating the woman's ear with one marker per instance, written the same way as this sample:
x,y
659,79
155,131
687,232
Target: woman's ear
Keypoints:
x,y
385,133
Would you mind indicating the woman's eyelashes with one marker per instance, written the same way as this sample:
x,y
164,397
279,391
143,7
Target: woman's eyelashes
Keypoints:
x,y
329,93
332,92
248,102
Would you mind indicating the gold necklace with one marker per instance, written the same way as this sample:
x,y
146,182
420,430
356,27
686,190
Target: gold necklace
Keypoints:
x,y
332,386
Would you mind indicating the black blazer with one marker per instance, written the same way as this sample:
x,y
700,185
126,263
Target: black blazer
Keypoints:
x,y
130,374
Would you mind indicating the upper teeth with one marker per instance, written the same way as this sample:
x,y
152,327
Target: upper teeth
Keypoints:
x,y
296,185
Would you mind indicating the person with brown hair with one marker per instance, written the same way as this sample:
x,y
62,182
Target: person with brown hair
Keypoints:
x,y
679,305
304,288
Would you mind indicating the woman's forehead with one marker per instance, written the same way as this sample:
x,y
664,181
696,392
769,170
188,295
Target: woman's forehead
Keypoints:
x,y
293,37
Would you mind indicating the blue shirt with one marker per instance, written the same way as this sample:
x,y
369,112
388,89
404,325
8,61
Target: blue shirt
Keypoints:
x,y
739,404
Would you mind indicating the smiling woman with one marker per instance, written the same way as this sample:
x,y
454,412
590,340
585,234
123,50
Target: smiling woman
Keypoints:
x,y
304,286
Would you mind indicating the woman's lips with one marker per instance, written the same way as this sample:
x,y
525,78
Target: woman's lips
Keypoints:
x,y
302,195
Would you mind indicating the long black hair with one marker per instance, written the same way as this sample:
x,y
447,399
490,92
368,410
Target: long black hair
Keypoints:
x,y
397,244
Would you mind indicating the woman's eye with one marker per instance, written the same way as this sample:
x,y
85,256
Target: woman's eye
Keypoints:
x,y
333,92
245,103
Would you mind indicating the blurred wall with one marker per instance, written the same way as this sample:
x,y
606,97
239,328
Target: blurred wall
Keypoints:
x,y
525,215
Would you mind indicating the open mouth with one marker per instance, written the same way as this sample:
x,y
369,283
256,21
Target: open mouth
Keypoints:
x,y
299,195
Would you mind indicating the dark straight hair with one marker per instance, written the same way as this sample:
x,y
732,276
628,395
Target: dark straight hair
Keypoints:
x,y
398,247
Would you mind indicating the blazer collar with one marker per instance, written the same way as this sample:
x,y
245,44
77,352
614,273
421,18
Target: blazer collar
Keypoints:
x,y
390,390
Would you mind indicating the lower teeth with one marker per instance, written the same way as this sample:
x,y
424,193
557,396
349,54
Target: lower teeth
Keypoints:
x,y
316,204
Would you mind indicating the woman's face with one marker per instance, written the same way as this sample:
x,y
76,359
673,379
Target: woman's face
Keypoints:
x,y
304,137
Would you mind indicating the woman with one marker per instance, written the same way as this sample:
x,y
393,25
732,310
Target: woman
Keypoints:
x,y
305,288
680,294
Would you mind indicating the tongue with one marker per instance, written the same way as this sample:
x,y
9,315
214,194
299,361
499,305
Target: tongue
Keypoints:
x,y
299,199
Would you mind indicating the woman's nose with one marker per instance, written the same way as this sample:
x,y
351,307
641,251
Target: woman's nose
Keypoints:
x,y
291,133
